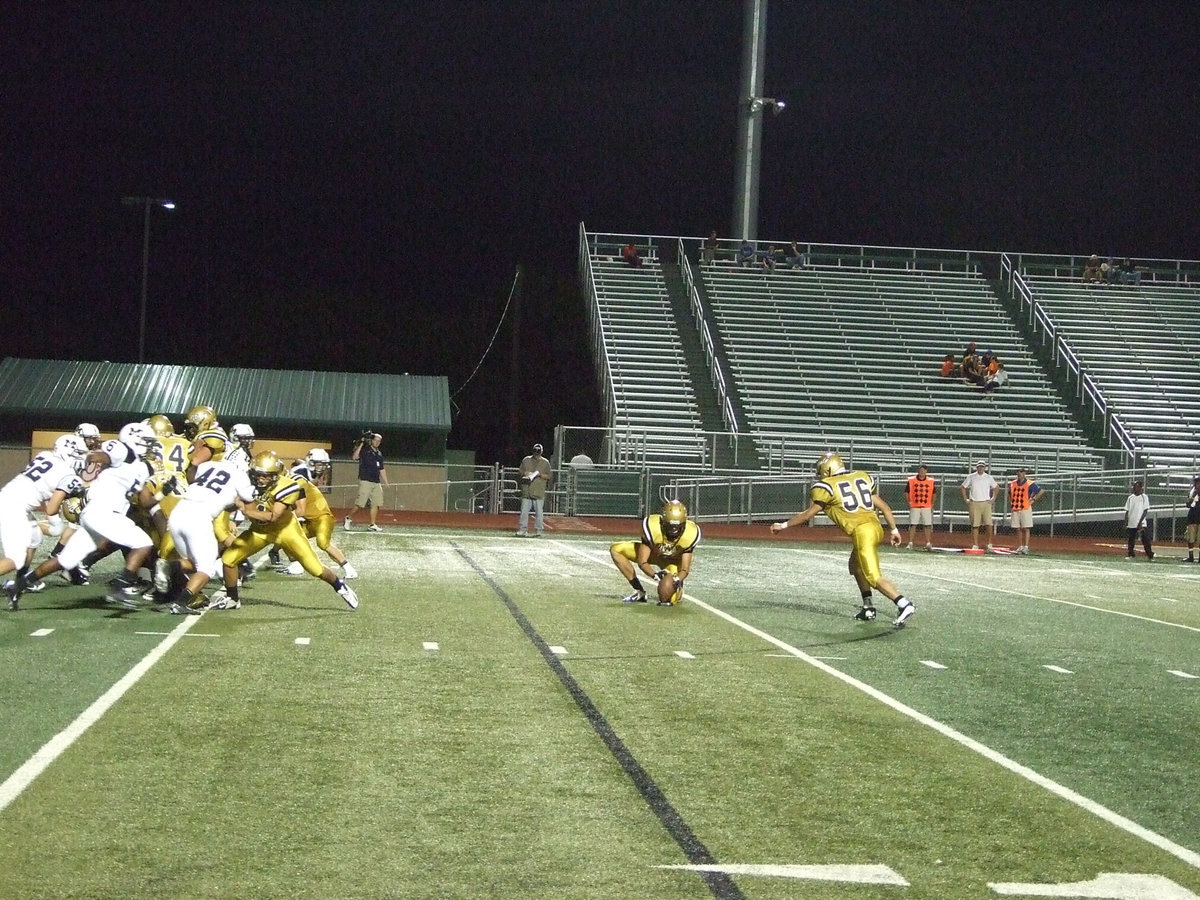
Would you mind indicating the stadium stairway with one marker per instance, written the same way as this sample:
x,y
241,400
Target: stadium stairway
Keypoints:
x,y
707,402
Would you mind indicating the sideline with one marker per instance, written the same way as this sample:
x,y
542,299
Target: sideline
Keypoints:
x,y
25,775
1191,857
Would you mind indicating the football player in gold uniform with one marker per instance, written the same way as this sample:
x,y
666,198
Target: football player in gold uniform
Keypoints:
x,y
175,447
273,520
852,502
664,553
315,515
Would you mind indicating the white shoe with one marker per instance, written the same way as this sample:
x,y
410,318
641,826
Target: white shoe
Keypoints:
x,y
374,527
346,524
929,546
989,548
974,546
225,602
162,576
295,568
348,571
910,545
34,587
349,596
906,613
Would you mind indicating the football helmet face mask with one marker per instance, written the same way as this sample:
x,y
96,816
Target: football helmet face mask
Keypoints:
x,y
243,436
198,419
90,435
265,470
674,519
70,448
161,426
318,461
830,464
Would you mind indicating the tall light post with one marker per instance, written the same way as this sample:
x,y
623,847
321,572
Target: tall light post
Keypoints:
x,y
145,203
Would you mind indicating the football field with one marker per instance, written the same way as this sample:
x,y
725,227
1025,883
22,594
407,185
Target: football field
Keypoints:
x,y
494,722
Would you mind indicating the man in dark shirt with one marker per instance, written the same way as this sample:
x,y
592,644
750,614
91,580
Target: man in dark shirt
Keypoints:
x,y
372,478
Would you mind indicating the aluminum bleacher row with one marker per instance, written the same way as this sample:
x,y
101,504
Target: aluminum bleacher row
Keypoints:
x,y
1138,344
849,357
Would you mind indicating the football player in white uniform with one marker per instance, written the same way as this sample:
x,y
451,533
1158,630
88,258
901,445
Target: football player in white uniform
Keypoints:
x,y
217,486
242,437
48,480
105,521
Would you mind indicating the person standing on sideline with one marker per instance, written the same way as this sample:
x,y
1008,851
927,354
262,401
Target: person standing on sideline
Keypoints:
x,y
1137,507
978,491
534,475
851,501
920,492
372,478
1022,494
1193,519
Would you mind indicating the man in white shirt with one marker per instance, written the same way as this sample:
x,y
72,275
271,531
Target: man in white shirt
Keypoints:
x,y
1137,507
978,491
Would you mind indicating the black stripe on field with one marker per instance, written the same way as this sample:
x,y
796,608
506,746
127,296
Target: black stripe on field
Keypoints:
x,y
720,884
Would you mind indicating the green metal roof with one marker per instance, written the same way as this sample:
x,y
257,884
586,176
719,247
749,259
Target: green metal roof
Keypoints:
x,y
107,391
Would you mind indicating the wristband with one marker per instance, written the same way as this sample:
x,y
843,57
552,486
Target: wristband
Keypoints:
x,y
895,531
783,525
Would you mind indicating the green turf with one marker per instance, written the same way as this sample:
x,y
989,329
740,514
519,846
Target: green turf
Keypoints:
x,y
363,765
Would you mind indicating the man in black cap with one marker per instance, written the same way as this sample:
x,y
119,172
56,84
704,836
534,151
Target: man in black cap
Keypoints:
x,y
534,475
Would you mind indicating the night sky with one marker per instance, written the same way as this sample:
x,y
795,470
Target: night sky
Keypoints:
x,y
357,183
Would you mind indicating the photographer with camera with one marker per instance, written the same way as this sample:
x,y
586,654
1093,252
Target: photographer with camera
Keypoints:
x,y
372,477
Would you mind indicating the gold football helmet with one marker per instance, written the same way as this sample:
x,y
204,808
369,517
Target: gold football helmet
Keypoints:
x,y
161,426
674,519
830,464
265,469
199,418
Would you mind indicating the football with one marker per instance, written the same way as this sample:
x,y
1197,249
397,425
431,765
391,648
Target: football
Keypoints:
x,y
670,590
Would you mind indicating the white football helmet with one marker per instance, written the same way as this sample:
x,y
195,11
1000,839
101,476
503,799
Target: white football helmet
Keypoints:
x,y
318,461
70,448
90,435
242,435
137,435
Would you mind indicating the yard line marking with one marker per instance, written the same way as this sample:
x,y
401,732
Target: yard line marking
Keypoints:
x,y
932,664
41,632
429,645
1116,885
1168,599
558,651
165,633
1181,674
868,874
1059,669
1191,857
303,642
683,654
57,745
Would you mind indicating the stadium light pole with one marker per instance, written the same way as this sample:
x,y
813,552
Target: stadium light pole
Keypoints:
x,y
751,104
146,203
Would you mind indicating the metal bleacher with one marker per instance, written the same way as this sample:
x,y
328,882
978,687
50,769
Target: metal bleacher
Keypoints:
x,y
651,409
841,357
1134,346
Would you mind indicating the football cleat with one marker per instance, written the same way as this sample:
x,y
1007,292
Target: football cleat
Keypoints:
x,y
906,613
635,597
374,527
225,602
346,524
347,594
294,568
34,587
348,571
128,596
866,614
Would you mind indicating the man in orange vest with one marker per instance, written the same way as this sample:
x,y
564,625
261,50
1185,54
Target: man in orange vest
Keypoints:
x,y
1022,494
919,492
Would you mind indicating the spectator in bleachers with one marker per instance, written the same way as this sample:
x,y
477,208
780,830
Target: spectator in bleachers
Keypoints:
x,y
970,351
972,367
630,255
746,254
795,256
1130,274
990,363
1108,272
710,248
1091,270
996,380
950,369
773,258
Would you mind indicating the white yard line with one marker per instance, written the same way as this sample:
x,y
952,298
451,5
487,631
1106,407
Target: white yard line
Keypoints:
x,y
57,745
1191,857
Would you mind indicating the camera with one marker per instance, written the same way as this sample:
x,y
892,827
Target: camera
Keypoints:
x,y
367,436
